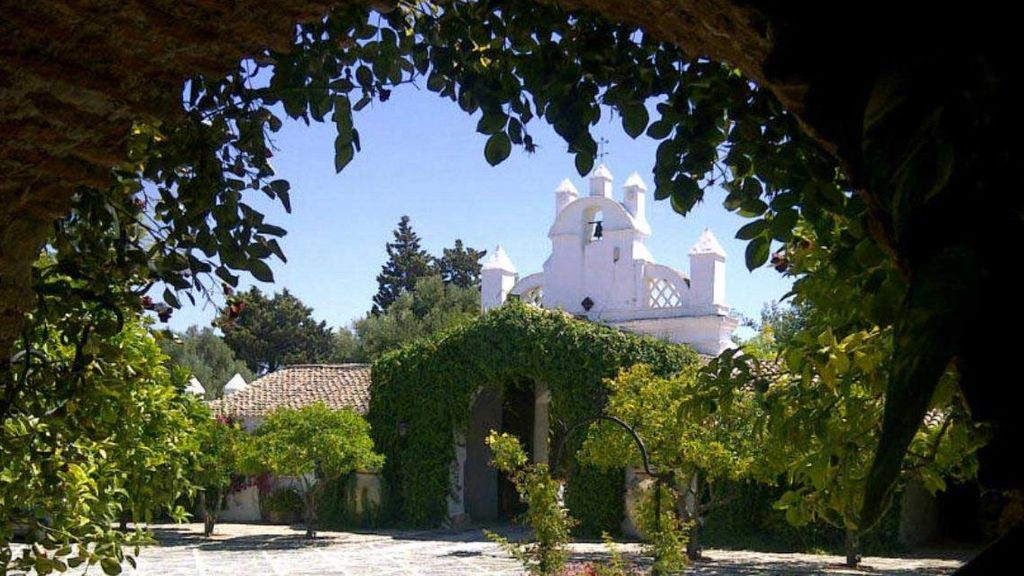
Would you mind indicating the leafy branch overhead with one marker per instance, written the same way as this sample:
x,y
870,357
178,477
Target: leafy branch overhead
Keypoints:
x,y
178,210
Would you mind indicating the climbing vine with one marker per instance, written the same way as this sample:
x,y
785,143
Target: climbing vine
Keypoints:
x,y
422,393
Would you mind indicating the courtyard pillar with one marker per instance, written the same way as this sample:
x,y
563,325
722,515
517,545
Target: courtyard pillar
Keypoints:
x,y
541,409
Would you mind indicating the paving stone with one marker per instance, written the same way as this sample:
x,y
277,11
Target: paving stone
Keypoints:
x,y
262,550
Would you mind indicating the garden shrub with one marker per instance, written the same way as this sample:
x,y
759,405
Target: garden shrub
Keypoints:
x,y
747,519
338,505
283,505
551,524
596,499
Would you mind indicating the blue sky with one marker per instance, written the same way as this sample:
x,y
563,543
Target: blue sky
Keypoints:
x,y
421,156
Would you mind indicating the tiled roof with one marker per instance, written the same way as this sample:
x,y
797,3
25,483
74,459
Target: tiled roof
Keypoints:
x,y
336,385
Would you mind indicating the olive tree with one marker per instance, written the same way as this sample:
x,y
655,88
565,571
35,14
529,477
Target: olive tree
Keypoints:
x,y
313,445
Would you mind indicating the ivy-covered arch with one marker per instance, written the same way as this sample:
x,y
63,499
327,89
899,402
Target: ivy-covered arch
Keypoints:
x,y
421,394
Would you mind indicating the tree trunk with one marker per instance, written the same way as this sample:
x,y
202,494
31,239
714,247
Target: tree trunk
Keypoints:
x,y
310,514
852,548
210,511
688,510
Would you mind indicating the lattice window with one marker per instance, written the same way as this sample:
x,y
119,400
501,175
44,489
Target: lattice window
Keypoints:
x,y
663,294
534,296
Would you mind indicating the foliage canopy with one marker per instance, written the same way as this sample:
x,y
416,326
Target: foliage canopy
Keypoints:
x,y
269,333
314,445
431,307
87,448
176,210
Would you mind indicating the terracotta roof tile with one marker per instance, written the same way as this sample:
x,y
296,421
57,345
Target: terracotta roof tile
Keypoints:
x,y
336,385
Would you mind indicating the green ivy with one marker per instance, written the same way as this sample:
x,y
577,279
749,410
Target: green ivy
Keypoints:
x,y
596,499
428,386
339,503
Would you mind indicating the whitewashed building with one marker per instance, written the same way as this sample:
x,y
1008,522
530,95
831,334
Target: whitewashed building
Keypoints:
x,y
600,269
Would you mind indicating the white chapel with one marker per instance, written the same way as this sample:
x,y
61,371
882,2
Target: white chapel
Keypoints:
x,y
600,269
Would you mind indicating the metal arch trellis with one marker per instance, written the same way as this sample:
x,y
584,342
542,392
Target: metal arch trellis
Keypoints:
x,y
659,477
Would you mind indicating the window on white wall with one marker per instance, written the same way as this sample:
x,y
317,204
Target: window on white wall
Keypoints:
x,y
662,294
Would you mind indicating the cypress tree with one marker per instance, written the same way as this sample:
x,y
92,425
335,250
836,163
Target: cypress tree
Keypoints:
x,y
406,264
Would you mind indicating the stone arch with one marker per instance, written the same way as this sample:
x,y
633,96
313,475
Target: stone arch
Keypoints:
x,y
530,289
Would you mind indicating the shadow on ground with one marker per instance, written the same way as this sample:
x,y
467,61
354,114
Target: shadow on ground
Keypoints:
x,y
238,538
172,536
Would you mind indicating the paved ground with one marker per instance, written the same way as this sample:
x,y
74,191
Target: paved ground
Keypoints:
x,y
251,550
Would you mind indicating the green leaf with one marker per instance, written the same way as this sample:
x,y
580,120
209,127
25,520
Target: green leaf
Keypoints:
x,y
436,82
584,163
364,76
660,130
757,252
685,193
362,103
751,207
271,230
783,224
752,230
110,566
343,113
515,131
492,122
635,119
682,203
498,148
343,154
868,254
171,299
260,271
227,276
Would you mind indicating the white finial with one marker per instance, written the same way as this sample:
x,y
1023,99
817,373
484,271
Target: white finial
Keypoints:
x,y
236,384
707,244
499,260
567,188
635,181
601,172
194,386
601,182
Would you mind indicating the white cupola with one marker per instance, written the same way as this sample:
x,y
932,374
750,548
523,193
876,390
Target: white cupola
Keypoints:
x,y
195,387
707,271
601,182
634,197
235,384
497,277
564,195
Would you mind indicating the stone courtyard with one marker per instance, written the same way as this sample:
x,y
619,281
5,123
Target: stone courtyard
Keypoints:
x,y
262,550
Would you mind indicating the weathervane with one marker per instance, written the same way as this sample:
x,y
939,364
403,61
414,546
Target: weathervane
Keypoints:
x,y
602,152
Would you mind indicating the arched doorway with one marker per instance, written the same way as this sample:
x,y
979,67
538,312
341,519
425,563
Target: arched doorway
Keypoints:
x,y
489,495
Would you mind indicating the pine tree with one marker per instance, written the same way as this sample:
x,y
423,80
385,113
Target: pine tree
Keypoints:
x,y
271,333
460,266
406,264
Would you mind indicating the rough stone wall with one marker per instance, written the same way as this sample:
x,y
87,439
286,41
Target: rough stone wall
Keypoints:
x,y
73,76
